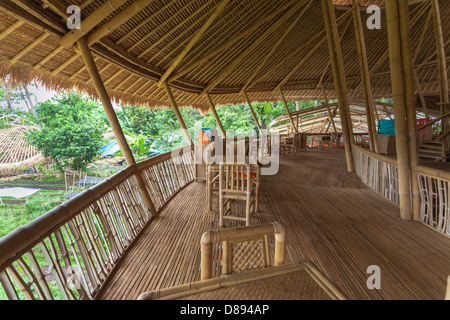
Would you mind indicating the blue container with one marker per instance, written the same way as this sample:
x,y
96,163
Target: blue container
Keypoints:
x,y
386,127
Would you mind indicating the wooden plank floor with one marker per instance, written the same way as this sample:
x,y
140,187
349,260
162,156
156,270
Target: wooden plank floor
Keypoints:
x,y
331,218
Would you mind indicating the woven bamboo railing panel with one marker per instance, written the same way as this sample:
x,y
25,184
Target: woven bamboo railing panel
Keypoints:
x,y
378,175
73,259
165,178
89,234
435,197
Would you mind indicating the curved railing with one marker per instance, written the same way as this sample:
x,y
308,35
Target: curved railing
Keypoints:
x,y
378,172
70,252
434,187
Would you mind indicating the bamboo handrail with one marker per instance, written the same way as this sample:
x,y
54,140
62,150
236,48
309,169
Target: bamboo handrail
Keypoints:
x,y
433,121
101,222
433,172
374,155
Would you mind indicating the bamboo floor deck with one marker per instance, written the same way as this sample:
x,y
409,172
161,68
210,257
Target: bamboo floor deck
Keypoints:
x,y
332,219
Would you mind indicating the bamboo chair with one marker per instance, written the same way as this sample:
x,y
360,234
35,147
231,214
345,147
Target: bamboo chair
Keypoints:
x,y
238,182
243,248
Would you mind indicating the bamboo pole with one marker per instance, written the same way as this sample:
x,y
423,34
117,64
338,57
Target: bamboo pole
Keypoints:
x,y
220,7
347,132
364,65
177,112
328,108
409,72
398,93
252,111
294,128
214,111
442,65
115,125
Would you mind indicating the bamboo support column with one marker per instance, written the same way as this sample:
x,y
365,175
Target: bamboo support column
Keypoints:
x,y
214,111
365,76
177,112
252,111
339,80
115,125
398,94
294,128
442,65
410,98
328,108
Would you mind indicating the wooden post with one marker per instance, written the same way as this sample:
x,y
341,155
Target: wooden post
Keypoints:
x,y
442,65
410,98
252,111
341,91
214,111
362,53
177,112
294,128
115,125
398,94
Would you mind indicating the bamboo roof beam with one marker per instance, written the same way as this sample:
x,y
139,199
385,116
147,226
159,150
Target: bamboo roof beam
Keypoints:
x,y
160,26
275,47
65,64
218,10
294,127
177,112
90,22
145,21
118,20
10,29
252,111
216,116
48,57
30,47
229,42
229,67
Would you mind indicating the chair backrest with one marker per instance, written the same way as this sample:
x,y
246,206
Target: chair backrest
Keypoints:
x,y
236,177
243,248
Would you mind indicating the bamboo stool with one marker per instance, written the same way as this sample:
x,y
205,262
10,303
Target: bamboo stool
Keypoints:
x,y
238,182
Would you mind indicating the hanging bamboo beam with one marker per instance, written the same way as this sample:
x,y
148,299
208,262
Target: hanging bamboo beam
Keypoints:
x,y
91,22
114,122
294,128
220,7
216,116
252,111
364,65
398,94
410,99
177,112
340,84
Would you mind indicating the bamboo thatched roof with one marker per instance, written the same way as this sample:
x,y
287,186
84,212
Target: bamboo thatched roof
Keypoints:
x,y
218,46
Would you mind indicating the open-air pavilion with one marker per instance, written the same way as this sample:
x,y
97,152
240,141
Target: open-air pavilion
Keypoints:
x,y
150,231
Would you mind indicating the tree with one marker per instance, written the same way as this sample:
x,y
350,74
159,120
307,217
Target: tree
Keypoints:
x,y
72,131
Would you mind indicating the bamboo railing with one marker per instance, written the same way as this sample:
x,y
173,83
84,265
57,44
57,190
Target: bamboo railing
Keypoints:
x,y
434,187
70,252
378,172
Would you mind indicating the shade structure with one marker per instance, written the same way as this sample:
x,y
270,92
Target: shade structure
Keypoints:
x,y
136,44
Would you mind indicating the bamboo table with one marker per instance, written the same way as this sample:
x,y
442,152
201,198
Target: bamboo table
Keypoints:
x,y
295,281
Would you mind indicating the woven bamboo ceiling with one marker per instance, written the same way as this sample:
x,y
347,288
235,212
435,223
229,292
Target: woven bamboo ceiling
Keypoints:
x,y
218,46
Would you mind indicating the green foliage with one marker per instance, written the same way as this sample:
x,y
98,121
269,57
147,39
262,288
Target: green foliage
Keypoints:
x,y
72,131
